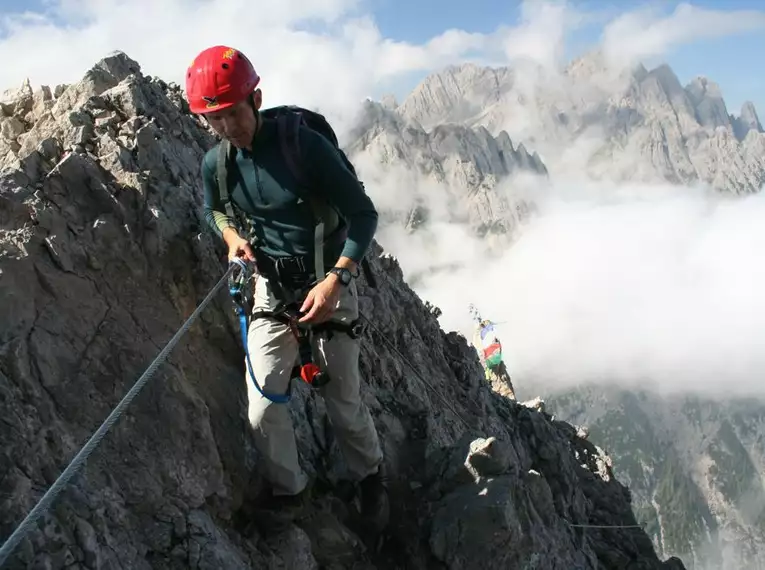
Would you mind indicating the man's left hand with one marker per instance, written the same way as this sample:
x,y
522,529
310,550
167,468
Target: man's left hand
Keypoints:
x,y
321,301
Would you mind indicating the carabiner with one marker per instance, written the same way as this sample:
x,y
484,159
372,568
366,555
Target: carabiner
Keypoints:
x,y
237,287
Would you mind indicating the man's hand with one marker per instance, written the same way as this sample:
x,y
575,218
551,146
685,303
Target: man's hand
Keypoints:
x,y
237,246
321,301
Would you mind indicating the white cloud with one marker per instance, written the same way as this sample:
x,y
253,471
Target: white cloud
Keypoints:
x,y
621,285
655,286
541,36
644,33
315,53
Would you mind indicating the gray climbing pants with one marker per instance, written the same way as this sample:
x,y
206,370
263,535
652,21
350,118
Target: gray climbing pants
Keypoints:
x,y
273,352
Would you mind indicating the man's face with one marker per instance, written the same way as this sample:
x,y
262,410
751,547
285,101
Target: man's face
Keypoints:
x,y
236,123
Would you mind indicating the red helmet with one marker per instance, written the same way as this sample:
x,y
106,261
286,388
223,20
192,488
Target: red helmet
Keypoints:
x,y
219,77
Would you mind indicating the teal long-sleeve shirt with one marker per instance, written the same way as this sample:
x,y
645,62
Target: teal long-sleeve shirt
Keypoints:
x,y
264,188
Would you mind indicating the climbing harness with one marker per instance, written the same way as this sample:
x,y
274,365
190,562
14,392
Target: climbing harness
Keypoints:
x,y
241,287
306,369
58,485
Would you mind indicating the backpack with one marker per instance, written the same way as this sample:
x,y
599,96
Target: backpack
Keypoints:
x,y
328,221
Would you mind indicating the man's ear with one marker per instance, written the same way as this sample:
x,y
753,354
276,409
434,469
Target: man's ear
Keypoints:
x,y
257,99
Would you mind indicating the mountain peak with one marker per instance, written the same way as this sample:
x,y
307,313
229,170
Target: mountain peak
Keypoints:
x,y
705,87
389,102
455,93
666,77
706,97
747,121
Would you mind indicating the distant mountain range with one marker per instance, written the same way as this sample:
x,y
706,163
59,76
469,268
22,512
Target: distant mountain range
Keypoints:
x,y
633,124
694,466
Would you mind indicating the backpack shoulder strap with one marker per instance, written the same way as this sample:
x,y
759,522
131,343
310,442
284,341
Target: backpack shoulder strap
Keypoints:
x,y
226,155
325,216
288,125
289,134
224,150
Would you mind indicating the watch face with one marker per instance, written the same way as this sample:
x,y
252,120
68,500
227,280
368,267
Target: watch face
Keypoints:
x,y
344,275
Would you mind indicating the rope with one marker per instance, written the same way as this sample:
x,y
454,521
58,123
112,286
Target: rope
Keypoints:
x,y
42,506
416,373
604,525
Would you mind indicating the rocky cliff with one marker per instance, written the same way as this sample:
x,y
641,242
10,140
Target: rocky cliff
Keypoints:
x,y
103,255
616,124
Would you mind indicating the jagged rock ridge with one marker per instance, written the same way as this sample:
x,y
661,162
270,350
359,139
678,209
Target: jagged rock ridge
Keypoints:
x,y
103,254
465,164
617,124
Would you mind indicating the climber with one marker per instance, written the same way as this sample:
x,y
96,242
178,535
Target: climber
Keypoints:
x,y
269,220
489,349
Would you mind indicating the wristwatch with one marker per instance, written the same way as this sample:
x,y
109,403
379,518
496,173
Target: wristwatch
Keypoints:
x,y
344,274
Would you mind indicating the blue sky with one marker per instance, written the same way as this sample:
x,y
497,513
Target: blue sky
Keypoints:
x,y
734,61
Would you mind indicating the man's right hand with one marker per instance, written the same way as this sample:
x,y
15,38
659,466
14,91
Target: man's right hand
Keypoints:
x,y
237,246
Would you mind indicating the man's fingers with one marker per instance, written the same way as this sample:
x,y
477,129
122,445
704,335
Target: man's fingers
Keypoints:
x,y
310,303
318,305
307,303
311,315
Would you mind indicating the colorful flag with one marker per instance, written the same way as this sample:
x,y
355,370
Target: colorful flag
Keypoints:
x,y
492,348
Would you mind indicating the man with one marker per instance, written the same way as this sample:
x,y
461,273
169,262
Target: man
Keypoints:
x,y
222,86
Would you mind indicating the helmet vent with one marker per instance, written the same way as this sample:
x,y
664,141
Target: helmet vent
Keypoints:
x,y
224,65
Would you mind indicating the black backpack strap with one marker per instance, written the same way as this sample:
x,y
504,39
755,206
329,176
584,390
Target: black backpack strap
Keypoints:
x,y
226,155
224,150
288,125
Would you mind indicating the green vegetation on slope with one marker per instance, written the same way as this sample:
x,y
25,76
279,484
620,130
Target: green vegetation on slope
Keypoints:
x,y
651,468
736,476
688,522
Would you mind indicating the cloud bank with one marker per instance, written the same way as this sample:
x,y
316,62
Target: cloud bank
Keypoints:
x,y
649,286
644,33
618,284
